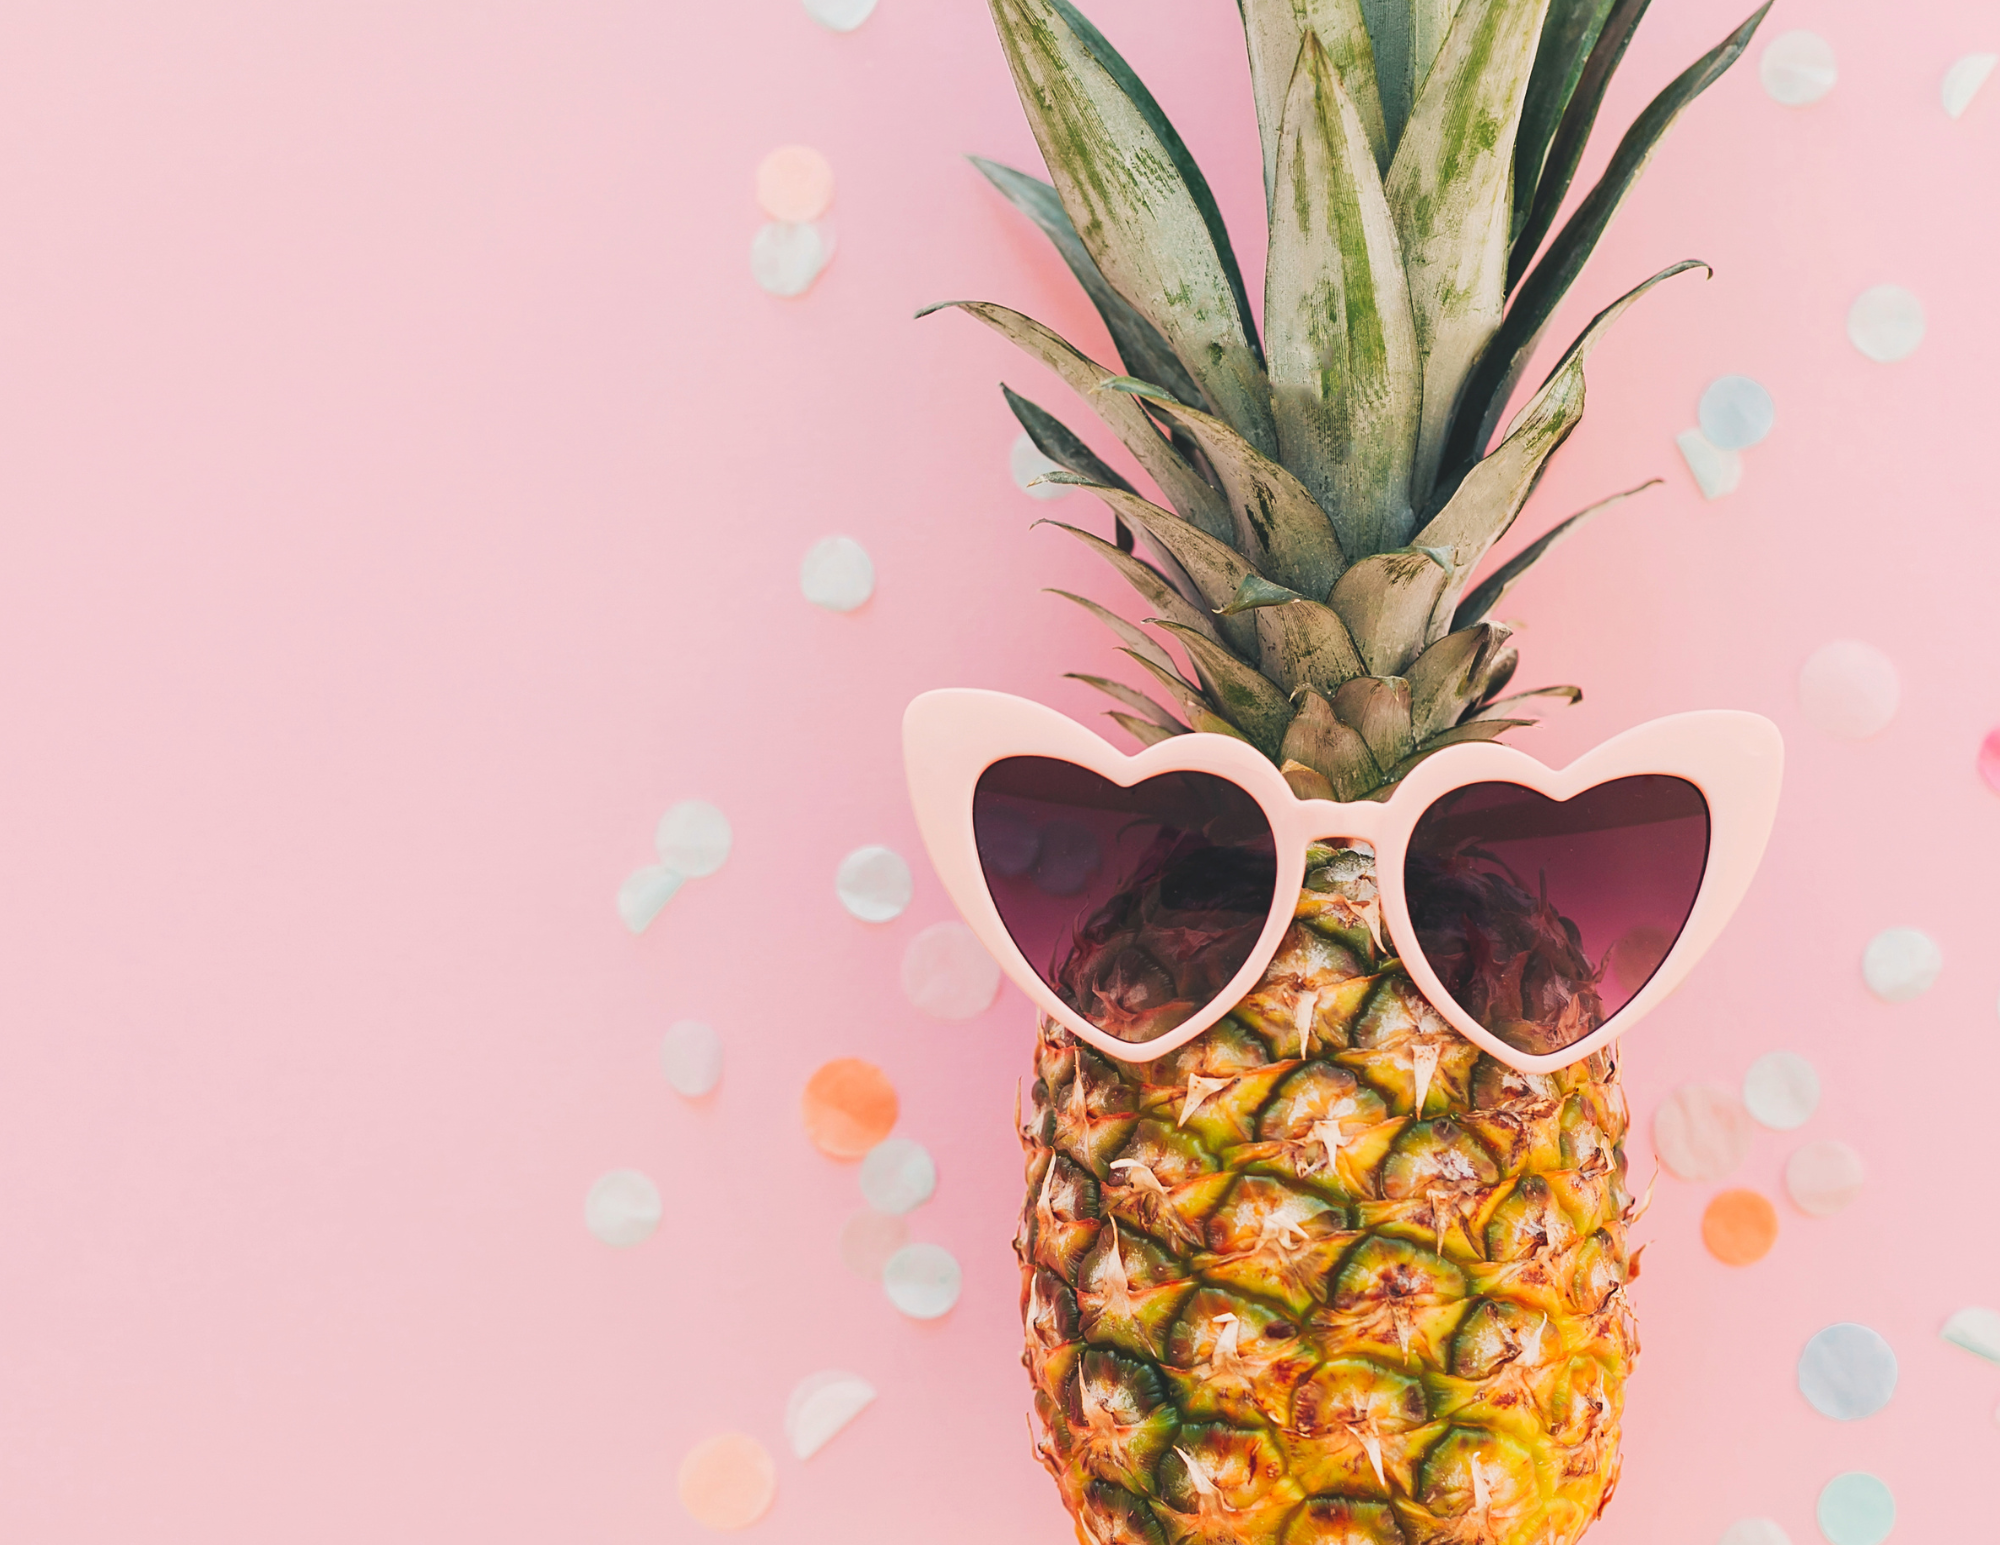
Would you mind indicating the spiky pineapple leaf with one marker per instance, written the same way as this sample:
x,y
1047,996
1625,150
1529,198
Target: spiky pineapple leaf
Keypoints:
x,y
1139,204
1487,593
1245,696
1457,735
1569,33
1274,30
1377,709
1494,674
1387,600
1521,702
1256,591
1306,644
1055,440
1446,679
1144,731
1341,342
1193,702
1132,636
1142,576
1334,750
1131,697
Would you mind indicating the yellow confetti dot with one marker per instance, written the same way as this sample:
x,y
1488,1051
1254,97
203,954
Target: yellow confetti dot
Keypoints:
x,y
849,1107
728,1481
1739,1227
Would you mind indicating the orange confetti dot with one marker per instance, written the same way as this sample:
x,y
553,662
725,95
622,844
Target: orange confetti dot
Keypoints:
x,y
728,1481
1739,1227
849,1107
795,182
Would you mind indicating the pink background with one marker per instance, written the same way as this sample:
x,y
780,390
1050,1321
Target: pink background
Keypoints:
x,y
404,487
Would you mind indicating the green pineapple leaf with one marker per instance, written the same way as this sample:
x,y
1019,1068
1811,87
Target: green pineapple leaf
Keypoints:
x,y
1274,30
1049,435
1245,696
1256,591
1378,710
1522,702
1333,750
1131,697
1306,644
1457,735
1446,679
1144,731
1387,601
1195,703
1132,636
1569,34
1143,577
1487,593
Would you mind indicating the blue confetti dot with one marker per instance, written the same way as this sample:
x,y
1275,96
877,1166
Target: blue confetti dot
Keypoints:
x,y
1847,1372
1856,1509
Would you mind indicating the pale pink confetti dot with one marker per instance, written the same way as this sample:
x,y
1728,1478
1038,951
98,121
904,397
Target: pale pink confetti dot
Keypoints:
x,y
1823,1178
1989,759
1701,1132
728,1481
948,974
1849,689
868,1239
795,183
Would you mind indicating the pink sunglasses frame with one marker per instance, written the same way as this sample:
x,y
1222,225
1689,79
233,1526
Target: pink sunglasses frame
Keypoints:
x,y
1735,759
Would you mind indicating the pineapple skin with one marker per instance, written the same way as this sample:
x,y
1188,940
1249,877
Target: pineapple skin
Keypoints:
x,y
1269,1301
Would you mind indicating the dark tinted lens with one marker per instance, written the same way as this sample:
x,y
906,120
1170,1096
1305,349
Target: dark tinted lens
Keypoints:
x,y
1543,919
1135,905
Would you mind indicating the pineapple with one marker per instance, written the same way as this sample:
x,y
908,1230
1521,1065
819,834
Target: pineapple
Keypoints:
x,y
1327,1275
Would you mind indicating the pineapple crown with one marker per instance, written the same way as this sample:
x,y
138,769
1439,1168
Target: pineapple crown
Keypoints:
x,y
1326,490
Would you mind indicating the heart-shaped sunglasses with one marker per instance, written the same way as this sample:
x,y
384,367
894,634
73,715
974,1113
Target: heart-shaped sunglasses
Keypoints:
x,y
1541,911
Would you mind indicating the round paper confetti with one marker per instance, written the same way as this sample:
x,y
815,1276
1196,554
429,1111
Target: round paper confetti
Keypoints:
x,y
1701,1132
840,15
820,1405
795,184
1963,80
693,838
1822,1178
874,884
1849,689
1989,759
728,1481
1886,323
1754,1531
1797,68
1901,963
897,1175
868,1239
1781,1091
1736,412
691,1057
837,573
948,974
644,892
922,1280
1739,1227
1847,1372
1977,1330
623,1208
1716,472
849,1106
1027,464
786,257
1856,1509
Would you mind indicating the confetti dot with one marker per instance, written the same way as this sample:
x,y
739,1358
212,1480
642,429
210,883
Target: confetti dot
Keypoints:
x,y
1736,412
948,974
1847,1372
1701,1132
1781,1091
1797,68
691,1057
849,1106
1027,464
795,184
693,839
820,1405
1754,1531
1977,1330
1716,471
623,1208
897,1175
874,884
868,1239
728,1481
1849,689
1856,1509
1989,759
644,892
1886,323
840,15
1901,963
1963,80
785,257
1739,1227
837,573
1823,1178
922,1280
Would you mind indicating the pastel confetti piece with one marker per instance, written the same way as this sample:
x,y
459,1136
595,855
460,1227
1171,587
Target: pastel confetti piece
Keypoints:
x,y
1754,1531
1736,413
1900,964
1963,80
874,884
786,256
848,1107
948,974
644,893
1989,759
1739,1227
1026,464
728,1481
1849,689
1977,1330
795,184
1856,1509
622,1208
820,1405
1781,1091
922,1280
1886,323
1797,68
840,15
691,1057
838,574
1824,1178
1847,1372
1716,472
693,838
868,1239
897,1175
1701,1132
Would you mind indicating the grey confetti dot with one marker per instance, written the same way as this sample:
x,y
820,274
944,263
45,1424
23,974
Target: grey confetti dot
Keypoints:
x,y
874,884
922,1280
1736,412
840,15
1847,1372
693,838
838,574
623,1208
1886,323
644,892
785,257
1901,963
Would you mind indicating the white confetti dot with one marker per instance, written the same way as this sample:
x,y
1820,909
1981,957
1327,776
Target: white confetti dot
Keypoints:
x,y
623,1208
840,15
1977,1330
874,884
1886,323
897,1176
1847,1372
1027,464
693,838
837,573
1736,412
644,892
820,1405
868,1239
948,974
1856,1509
1715,471
1701,1132
1901,963
1849,689
786,256
1797,68
691,1057
1754,1531
922,1280
1824,1178
1963,80
1781,1090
